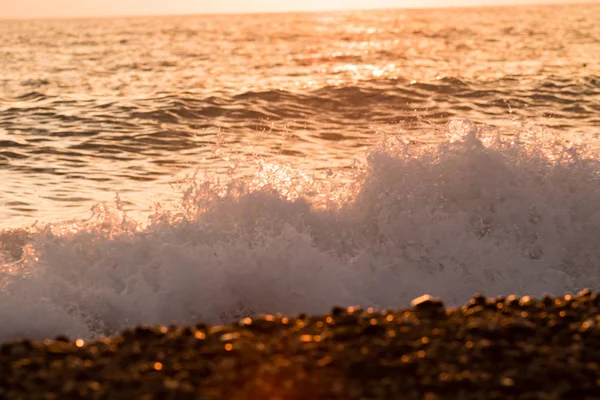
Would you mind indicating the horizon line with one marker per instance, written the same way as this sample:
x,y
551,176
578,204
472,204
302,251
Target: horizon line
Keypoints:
x,y
225,13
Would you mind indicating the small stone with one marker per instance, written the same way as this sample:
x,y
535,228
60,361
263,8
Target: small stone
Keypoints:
x,y
337,311
374,330
62,338
142,332
477,300
506,381
585,293
261,325
347,319
427,303
520,326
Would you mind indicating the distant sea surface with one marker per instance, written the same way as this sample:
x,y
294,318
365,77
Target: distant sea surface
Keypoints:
x,y
209,167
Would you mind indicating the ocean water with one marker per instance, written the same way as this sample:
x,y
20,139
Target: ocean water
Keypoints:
x,y
204,168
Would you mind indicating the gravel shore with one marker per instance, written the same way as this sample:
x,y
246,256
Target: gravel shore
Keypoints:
x,y
493,348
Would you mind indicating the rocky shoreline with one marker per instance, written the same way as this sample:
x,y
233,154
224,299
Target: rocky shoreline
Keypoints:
x,y
494,348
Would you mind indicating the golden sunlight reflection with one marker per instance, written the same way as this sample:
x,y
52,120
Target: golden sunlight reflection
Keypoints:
x,y
78,8
292,184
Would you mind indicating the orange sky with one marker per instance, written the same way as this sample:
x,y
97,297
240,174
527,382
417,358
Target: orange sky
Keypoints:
x,y
79,8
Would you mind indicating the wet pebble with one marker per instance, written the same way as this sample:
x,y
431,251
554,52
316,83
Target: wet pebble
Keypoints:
x,y
491,348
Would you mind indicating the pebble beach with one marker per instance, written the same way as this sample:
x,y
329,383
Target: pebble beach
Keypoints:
x,y
489,348
226,172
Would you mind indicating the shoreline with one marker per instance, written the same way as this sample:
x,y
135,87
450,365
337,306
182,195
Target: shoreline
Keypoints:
x,y
496,348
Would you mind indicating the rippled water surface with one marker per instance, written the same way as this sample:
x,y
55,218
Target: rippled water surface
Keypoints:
x,y
208,167
89,108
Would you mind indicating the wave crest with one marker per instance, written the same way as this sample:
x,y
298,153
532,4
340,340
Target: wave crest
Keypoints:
x,y
476,213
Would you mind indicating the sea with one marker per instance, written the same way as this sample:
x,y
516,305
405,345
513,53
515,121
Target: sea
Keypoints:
x,y
185,169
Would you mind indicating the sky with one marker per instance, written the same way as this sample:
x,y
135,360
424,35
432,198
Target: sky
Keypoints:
x,y
95,8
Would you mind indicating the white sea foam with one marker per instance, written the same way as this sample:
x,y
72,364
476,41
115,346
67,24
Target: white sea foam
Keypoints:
x,y
475,213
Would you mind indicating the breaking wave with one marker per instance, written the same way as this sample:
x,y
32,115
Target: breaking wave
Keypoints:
x,y
478,212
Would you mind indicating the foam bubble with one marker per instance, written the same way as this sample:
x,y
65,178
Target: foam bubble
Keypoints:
x,y
474,213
